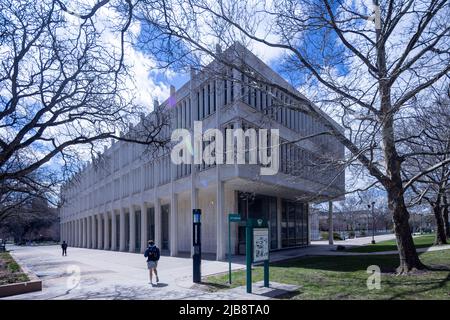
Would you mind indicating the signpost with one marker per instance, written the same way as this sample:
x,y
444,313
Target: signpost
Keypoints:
x,y
256,248
197,257
232,217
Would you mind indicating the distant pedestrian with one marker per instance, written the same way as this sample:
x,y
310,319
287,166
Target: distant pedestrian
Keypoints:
x,y
152,254
64,248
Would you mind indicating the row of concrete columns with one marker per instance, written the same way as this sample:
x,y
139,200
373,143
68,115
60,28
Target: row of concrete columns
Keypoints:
x,y
99,231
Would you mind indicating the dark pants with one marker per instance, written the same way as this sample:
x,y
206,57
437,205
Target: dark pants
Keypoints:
x,y
64,253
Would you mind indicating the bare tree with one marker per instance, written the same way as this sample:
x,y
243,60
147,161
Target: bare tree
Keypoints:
x,y
27,219
367,73
63,85
432,145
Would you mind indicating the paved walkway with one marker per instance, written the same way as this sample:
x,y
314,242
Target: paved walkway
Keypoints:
x,y
120,275
111,275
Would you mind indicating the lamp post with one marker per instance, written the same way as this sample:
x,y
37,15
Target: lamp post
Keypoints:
x,y
373,221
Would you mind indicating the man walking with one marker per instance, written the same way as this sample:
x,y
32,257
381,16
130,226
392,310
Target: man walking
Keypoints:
x,y
152,254
64,248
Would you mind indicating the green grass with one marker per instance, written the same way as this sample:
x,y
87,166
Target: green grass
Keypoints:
x,y
10,271
424,241
345,277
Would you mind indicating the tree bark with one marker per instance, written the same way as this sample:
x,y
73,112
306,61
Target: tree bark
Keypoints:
x,y
441,237
409,259
445,216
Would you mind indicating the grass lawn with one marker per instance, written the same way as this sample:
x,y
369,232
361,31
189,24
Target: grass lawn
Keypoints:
x,y
423,241
345,277
10,271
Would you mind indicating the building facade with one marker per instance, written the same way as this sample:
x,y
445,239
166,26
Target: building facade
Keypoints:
x,y
135,196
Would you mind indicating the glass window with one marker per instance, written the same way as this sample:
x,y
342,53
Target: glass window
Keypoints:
x,y
165,211
127,231
150,224
294,224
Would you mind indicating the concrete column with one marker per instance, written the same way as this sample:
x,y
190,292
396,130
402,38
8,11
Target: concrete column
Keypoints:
x,y
88,232
144,222
194,205
106,231
94,233
173,225
113,230
330,223
70,242
158,235
279,219
132,232
84,238
80,228
74,233
99,231
77,232
220,243
307,208
122,230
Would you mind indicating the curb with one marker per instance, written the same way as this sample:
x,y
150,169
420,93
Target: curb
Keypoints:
x,y
12,289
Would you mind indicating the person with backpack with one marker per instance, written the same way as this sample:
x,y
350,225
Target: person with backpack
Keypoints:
x,y
152,254
64,248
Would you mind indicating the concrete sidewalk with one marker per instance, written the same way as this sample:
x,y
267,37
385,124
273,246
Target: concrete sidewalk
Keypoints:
x,y
100,274
110,274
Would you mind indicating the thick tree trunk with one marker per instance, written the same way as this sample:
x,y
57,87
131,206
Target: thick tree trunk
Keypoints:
x,y
409,259
441,237
445,216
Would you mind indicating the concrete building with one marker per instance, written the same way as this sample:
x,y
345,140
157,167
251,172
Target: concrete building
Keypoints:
x,y
135,196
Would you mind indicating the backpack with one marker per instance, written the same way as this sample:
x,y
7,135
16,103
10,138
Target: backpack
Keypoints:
x,y
153,253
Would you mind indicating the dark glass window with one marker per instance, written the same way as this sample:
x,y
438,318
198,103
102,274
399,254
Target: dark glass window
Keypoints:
x,y
165,212
137,228
117,232
294,225
150,224
259,206
127,231
209,99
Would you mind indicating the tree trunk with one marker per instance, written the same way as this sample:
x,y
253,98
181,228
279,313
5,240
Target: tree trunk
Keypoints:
x,y
409,259
445,216
441,237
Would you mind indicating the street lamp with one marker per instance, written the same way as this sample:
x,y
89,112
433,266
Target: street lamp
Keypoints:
x,y
373,221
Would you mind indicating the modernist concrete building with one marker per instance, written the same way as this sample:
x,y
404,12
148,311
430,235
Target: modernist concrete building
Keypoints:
x,y
135,196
